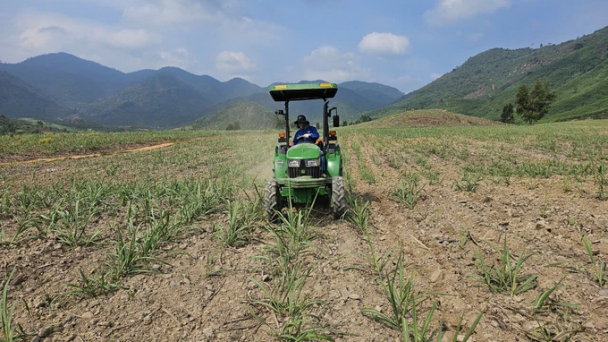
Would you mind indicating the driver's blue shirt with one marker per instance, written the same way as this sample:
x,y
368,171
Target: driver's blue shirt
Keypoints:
x,y
314,135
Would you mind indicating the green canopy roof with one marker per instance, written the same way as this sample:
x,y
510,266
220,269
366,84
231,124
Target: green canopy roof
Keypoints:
x,y
304,91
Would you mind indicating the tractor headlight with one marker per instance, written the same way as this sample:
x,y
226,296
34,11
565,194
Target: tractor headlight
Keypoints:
x,y
280,164
312,163
294,163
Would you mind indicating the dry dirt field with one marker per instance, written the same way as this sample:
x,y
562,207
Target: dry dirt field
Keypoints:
x,y
171,244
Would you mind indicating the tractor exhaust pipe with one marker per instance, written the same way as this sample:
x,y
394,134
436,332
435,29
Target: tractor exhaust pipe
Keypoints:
x,y
325,125
288,139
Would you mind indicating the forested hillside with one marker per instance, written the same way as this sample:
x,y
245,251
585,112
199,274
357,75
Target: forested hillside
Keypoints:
x,y
577,72
19,99
242,115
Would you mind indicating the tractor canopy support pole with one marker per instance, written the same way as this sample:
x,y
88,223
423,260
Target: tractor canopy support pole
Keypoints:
x,y
287,138
325,125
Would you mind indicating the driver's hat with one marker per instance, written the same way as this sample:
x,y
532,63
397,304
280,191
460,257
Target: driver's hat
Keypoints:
x,y
301,119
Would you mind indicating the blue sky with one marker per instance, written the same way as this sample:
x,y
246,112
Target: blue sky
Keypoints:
x,y
402,43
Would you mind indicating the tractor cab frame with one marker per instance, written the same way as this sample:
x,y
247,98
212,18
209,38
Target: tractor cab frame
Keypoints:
x,y
305,171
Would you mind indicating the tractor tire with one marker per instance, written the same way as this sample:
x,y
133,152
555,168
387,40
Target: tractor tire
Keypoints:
x,y
271,200
338,197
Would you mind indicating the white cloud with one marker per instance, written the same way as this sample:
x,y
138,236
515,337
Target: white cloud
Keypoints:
x,y
135,34
178,57
44,32
252,32
384,44
398,81
329,64
172,13
475,37
42,38
126,38
435,76
220,19
230,62
448,12
32,33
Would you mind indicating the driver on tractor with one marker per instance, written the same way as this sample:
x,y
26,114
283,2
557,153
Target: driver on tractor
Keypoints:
x,y
305,133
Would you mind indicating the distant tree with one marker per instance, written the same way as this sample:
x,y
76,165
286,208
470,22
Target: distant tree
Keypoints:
x,y
40,124
235,126
365,118
507,114
344,123
532,105
318,125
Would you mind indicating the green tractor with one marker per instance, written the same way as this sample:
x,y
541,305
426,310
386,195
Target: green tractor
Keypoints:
x,y
306,171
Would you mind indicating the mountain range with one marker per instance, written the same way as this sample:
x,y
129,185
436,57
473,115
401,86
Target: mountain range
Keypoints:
x,y
61,86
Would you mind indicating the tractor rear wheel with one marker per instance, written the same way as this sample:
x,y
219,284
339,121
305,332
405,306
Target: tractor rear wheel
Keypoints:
x,y
271,200
338,197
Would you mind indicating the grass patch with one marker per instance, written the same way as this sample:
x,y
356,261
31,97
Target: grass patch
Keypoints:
x,y
408,192
598,270
10,331
506,276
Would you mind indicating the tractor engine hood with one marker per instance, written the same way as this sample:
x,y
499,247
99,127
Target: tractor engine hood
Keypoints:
x,y
304,151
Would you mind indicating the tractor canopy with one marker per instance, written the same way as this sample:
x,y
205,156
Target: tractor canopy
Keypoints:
x,y
303,91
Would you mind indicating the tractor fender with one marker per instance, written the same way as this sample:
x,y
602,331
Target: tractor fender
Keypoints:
x,y
334,163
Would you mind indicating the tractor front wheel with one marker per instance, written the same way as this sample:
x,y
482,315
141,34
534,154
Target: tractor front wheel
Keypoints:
x,y
272,202
338,197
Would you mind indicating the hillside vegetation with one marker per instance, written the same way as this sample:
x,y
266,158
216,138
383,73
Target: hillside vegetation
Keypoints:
x,y
10,126
16,126
19,99
352,100
71,81
348,108
242,115
577,71
374,92
426,118
60,85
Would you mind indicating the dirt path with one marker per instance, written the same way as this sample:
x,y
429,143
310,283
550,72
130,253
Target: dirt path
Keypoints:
x,y
92,155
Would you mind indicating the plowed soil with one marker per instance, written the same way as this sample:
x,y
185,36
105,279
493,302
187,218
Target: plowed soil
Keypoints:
x,y
202,291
